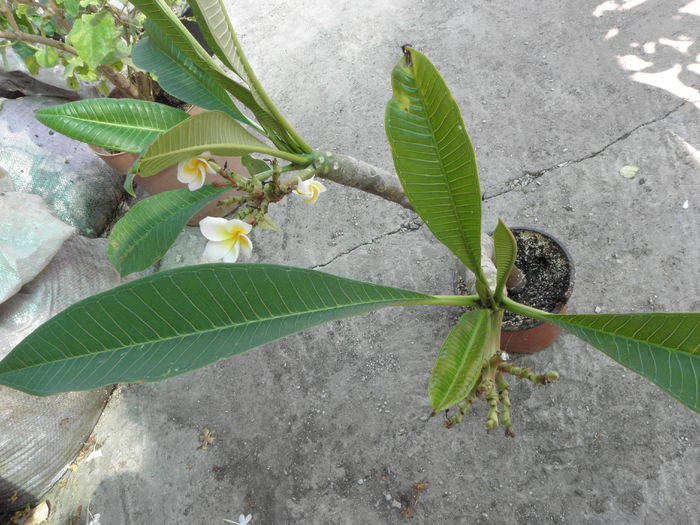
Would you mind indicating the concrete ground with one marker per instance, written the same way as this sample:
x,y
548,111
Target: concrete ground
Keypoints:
x,y
329,426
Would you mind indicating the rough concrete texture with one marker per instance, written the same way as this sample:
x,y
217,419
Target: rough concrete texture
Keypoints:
x,y
330,426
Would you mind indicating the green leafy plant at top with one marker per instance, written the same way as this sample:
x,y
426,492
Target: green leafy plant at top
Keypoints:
x,y
182,319
92,39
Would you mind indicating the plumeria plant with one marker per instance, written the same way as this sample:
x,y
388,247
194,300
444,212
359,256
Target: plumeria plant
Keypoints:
x,y
179,320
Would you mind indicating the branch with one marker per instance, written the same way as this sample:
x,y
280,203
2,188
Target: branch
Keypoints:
x,y
58,13
349,171
7,10
36,39
121,82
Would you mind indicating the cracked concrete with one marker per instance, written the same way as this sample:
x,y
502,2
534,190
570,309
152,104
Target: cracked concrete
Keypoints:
x,y
318,428
412,226
529,177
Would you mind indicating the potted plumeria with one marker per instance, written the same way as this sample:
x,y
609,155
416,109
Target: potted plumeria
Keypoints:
x,y
435,162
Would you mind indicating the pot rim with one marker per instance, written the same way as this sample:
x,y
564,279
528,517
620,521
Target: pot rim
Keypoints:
x,y
572,276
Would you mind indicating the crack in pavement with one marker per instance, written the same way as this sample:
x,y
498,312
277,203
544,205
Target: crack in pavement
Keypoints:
x,y
529,177
412,225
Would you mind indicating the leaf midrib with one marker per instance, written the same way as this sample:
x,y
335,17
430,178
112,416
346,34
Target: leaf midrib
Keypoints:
x,y
419,89
213,330
103,123
207,147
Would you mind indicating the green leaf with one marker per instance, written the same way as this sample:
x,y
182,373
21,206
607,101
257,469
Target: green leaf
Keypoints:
x,y
506,250
72,7
177,34
434,158
213,20
183,319
216,27
118,124
182,79
253,165
144,234
46,56
212,131
32,64
158,12
662,347
94,37
459,363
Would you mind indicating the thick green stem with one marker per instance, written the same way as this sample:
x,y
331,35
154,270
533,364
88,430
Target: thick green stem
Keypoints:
x,y
449,300
522,309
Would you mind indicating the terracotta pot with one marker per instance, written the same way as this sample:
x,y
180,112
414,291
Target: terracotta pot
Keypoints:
x,y
166,180
534,335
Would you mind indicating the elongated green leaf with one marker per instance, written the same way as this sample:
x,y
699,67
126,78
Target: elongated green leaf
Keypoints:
x,y
662,347
144,234
176,34
183,319
434,157
158,12
215,24
118,124
459,363
182,79
212,131
506,250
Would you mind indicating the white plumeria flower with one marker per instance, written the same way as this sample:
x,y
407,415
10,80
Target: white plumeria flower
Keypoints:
x,y
309,190
242,520
226,239
193,172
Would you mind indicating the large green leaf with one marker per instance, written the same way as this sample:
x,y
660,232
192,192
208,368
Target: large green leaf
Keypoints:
x,y
216,27
118,124
212,131
158,13
459,363
179,320
434,157
144,234
176,35
214,22
506,250
662,347
95,38
182,79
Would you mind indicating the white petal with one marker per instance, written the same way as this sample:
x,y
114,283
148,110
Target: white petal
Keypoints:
x,y
216,251
232,255
245,244
196,183
184,174
214,228
236,227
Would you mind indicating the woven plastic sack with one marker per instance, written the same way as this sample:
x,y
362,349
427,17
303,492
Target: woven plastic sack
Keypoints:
x,y
40,436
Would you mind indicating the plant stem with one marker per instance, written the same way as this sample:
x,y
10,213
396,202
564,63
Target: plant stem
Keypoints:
x,y
36,39
528,311
7,11
120,81
450,300
58,12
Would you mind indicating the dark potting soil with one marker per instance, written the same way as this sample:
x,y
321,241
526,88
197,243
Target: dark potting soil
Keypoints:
x,y
547,271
